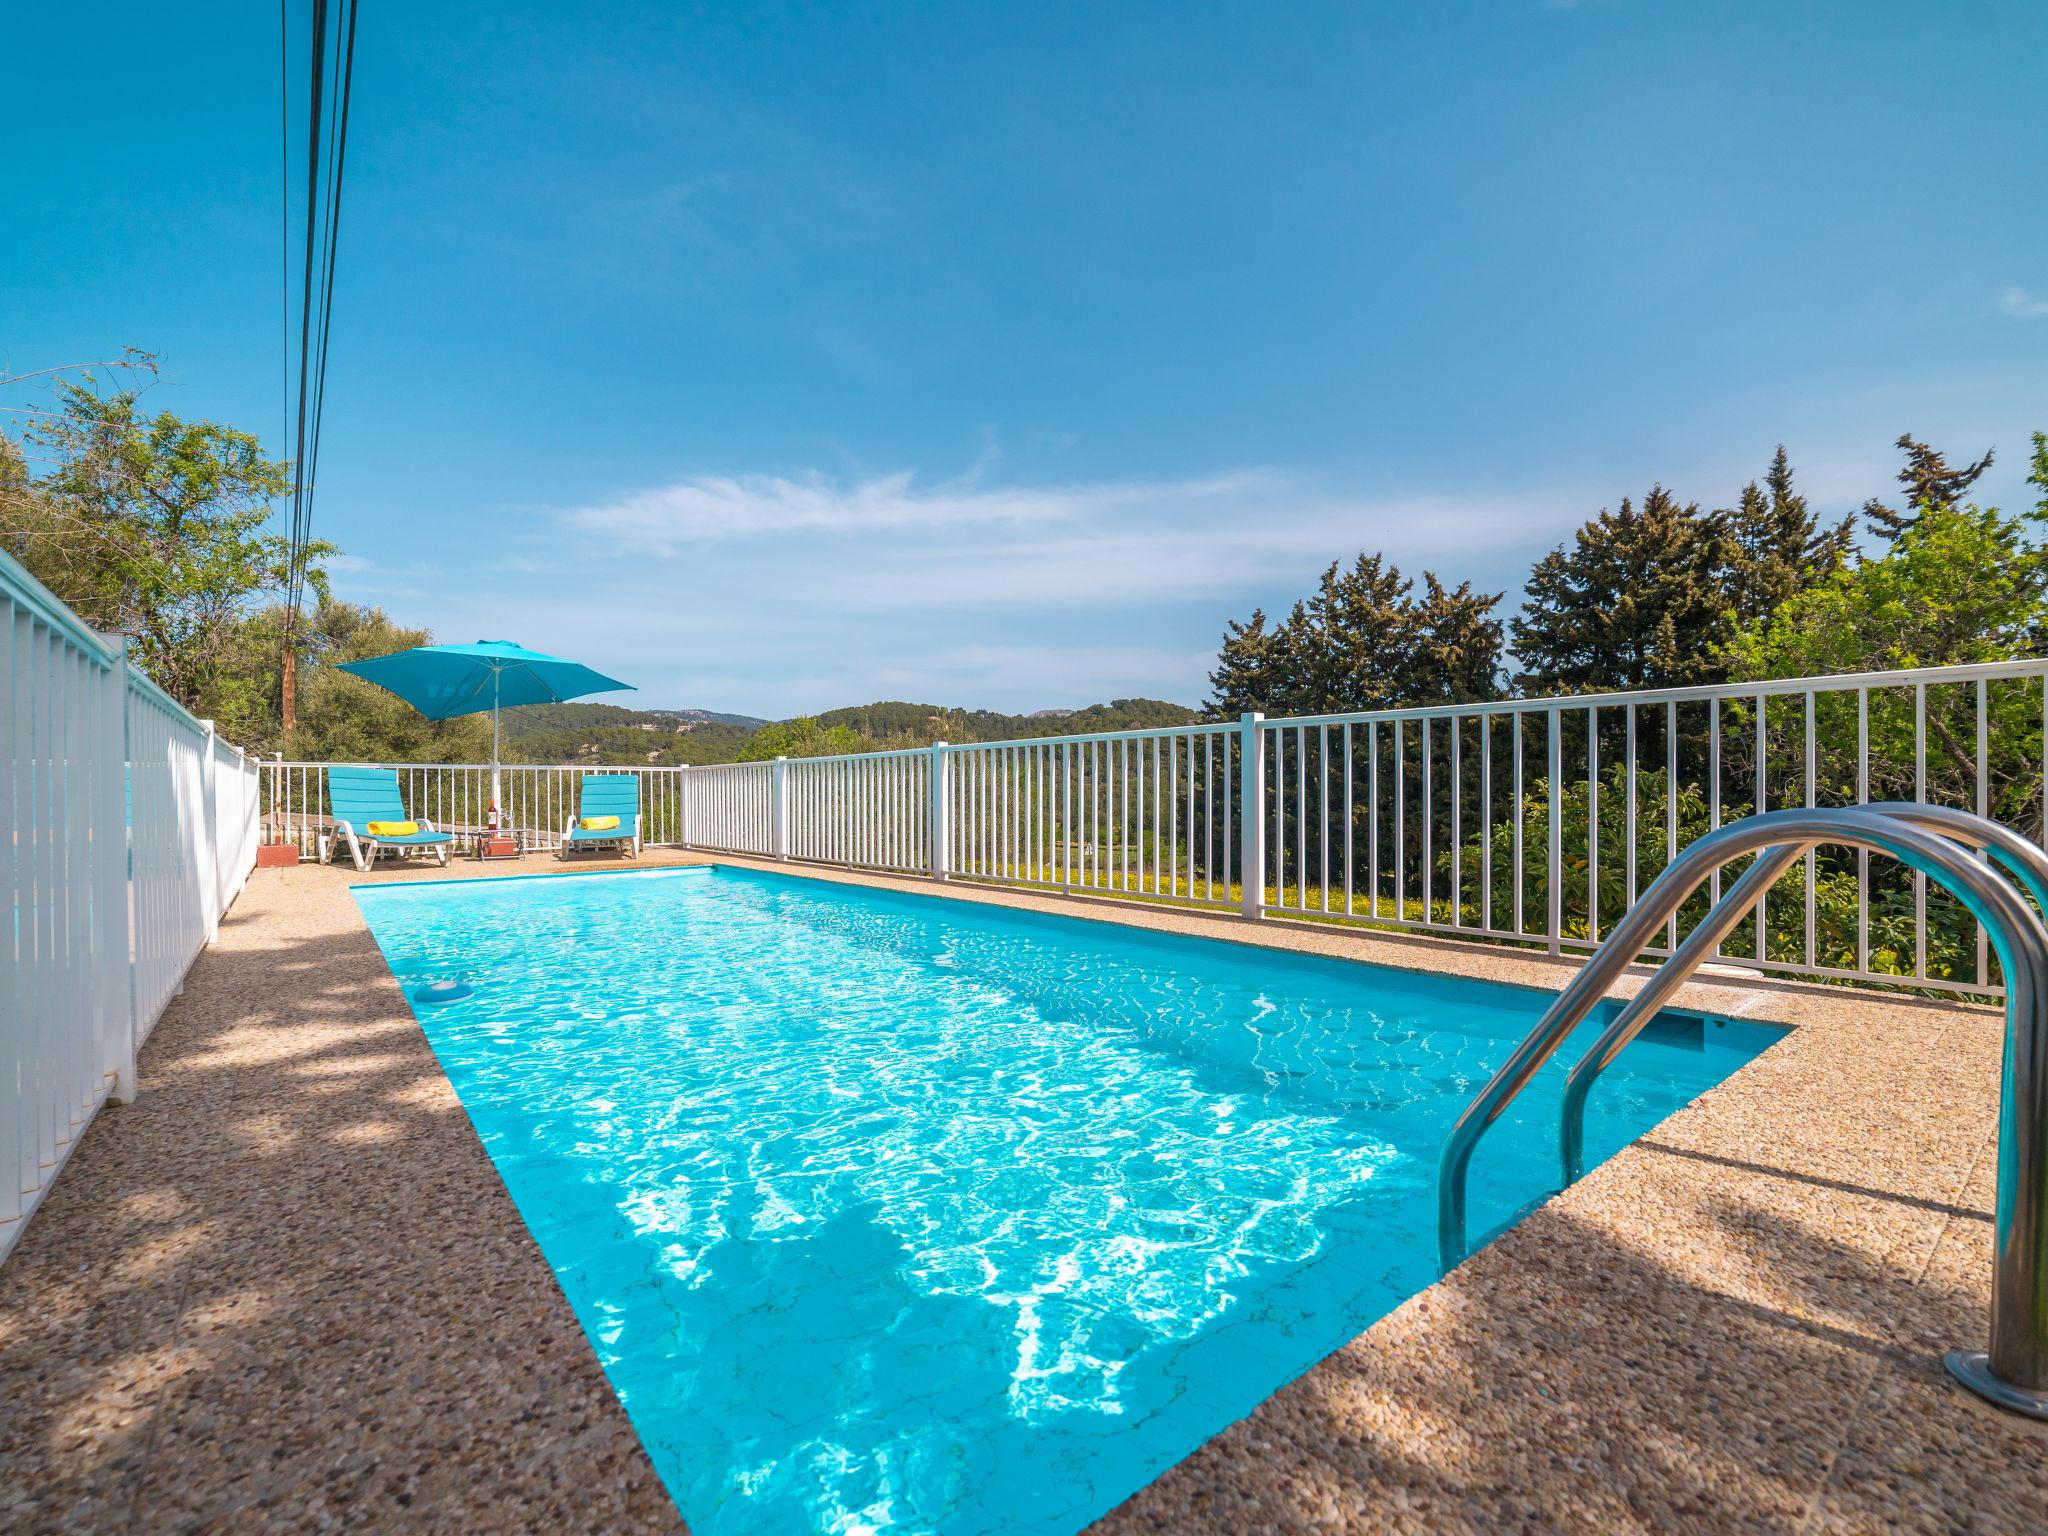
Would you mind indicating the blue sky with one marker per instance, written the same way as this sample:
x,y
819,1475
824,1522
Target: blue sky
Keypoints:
x,y
778,357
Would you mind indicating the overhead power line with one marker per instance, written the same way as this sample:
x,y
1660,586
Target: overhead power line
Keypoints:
x,y
330,78
313,120
284,205
338,160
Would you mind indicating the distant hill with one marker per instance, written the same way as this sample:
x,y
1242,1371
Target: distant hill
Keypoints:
x,y
711,717
538,719
902,724
610,735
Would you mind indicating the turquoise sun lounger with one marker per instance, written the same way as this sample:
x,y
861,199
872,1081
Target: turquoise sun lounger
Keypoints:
x,y
358,796
606,794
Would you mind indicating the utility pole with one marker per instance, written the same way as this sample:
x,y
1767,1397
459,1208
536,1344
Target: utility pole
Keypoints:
x,y
289,702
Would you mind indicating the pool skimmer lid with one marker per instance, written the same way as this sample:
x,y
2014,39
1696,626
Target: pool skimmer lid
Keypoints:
x,y
442,992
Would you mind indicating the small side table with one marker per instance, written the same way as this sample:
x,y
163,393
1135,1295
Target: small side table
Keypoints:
x,y
503,844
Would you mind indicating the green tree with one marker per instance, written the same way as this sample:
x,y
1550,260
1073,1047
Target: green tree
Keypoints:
x,y
1929,480
1960,584
1361,641
16,483
1455,645
1638,600
1116,715
240,693
894,723
1775,545
1892,915
1346,647
1493,864
801,737
1248,672
153,526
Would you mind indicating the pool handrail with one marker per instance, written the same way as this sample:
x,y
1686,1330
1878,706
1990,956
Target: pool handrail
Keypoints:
x,y
2014,1371
2025,860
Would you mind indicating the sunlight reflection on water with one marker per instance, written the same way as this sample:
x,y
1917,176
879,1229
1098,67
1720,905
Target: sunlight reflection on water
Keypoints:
x,y
898,1214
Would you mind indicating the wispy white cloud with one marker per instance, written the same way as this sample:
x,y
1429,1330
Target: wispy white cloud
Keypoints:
x,y
2022,305
667,519
1147,562
850,556
782,593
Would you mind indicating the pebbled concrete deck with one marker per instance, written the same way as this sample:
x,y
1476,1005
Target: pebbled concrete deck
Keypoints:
x,y
285,1290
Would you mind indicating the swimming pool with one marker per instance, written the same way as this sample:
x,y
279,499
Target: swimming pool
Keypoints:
x,y
895,1213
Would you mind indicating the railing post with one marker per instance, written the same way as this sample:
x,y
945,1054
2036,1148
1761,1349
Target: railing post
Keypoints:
x,y
252,786
209,824
1554,882
683,804
245,823
780,793
940,808
110,907
1251,813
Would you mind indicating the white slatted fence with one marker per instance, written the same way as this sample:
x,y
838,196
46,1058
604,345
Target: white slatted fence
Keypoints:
x,y
128,831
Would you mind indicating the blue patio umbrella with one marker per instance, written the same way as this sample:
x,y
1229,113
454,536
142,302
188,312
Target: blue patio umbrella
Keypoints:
x,y
443,681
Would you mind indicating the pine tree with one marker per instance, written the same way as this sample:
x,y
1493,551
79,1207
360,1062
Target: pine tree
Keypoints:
x,y
1454,653
1776,547
1929,482
1362,641
1637,601
1248,668
1354,643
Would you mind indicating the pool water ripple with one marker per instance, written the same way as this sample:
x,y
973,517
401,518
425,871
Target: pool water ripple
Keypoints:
x,y
894,1214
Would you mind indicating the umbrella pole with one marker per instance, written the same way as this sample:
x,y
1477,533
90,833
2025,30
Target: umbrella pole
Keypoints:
x,y
497,798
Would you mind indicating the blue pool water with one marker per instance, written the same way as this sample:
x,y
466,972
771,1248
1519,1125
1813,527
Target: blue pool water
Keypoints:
x,y
892,1213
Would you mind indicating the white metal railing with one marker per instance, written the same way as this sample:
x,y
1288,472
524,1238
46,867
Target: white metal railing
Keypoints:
x,y
732,807
540,800
1425,818
1532,821
1135,813
871,810
126,830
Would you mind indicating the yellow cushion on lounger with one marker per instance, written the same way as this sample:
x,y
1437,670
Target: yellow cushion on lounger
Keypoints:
x,y
393,828
599,823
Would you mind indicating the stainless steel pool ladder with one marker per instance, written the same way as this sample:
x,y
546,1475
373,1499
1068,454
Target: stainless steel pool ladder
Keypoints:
x,y
1948,846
